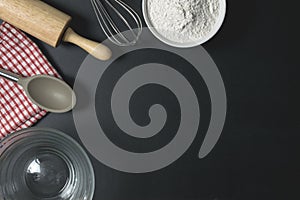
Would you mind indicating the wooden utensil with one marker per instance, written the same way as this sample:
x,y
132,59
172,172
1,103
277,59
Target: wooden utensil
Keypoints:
x,y
47,24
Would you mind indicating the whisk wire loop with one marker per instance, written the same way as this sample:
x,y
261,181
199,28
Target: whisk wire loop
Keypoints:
x,y
109,26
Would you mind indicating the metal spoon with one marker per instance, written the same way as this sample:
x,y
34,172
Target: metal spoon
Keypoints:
x,y
47,92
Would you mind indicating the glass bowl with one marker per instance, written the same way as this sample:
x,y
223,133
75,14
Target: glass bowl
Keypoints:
x,y
38,163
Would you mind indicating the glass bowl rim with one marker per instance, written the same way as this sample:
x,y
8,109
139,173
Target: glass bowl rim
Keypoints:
x,y
12,138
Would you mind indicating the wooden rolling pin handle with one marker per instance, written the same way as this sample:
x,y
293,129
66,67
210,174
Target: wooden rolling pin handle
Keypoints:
x,y
96,49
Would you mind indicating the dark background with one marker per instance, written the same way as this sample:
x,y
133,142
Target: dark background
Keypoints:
x,y
257,156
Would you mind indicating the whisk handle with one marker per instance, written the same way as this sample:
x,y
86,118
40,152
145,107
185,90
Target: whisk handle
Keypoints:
x,y
96,49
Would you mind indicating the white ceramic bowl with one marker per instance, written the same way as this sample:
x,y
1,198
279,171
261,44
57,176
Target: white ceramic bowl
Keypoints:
x,y
213,32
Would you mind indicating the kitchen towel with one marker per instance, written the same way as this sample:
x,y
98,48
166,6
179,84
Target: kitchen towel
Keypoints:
x,y
20,55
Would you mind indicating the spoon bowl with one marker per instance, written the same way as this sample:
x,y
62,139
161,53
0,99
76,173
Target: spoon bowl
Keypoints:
x,y
47,92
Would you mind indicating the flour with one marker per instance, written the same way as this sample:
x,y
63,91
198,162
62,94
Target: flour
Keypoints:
x,y
183,21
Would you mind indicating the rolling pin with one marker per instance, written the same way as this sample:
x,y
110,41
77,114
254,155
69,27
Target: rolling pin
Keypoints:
x,y
47,24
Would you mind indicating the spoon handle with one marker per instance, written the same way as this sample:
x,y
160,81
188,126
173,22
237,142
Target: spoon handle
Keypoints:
x,y
9,75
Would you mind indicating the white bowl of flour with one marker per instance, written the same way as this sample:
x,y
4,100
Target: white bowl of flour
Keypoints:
x,y
184,23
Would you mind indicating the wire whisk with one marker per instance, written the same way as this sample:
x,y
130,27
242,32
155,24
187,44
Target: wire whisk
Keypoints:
x,y
121,13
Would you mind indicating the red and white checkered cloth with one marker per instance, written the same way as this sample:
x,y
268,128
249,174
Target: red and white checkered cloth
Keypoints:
x,y
20,55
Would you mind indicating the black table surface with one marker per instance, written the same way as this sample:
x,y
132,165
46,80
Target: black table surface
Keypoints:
x,y
257,156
